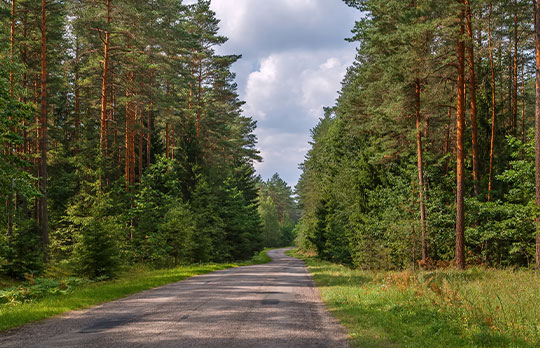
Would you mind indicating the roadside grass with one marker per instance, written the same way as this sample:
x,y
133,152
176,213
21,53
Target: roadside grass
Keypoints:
x,y
445,308
88,294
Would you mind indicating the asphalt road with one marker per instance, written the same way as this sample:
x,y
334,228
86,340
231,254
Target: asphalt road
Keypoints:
x,y
271,305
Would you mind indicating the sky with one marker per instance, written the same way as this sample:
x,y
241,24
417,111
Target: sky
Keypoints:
x,y
294,57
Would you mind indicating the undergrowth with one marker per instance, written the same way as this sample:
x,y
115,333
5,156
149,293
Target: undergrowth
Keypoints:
x,y
443,308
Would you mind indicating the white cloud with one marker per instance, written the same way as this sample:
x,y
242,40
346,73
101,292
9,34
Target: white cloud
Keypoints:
x,y
295,84
294,58
286,95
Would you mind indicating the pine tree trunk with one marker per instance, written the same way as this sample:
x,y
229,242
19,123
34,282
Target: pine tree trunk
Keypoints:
x,y
460,168
9,208
104,85
43,139
9,199
199,106
420,171
446,147
515,73
127,140
173,142
537,126
11,50
149,136
167,141
141,140
77,93
493,103
523,103
472,86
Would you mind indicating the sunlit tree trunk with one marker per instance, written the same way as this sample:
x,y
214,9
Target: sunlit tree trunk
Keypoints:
x,y
493,103
523,103
515,72
141,140
537,126
77,93
9,198
43,139
167,140
472,87
104,84
419,152
11,50
199,94
127,146
460,169
149,136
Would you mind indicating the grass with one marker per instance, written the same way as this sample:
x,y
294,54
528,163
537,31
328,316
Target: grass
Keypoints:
x,y
133,280
445,308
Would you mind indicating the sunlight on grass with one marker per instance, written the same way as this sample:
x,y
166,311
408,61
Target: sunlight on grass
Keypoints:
x,y
447,308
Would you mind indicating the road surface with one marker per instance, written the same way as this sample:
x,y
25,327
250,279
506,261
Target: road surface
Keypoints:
x,y
270,305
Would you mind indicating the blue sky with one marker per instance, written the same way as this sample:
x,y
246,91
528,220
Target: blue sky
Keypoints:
x,y
294,58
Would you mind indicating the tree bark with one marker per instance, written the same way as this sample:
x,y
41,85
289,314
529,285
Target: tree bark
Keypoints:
x,y
149,136
523,103
446,147
420,164
43,139
460,209
9,199
104,84
127,157
132,146
167,140
515,72
141,140
537,126
472,87
11,50
493,103
199,94
77,93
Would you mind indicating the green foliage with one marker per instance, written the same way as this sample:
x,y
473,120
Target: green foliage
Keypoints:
x,y
278,211
177,230
474,308
96,251
24,252
169,179
359,192
37,288
271,230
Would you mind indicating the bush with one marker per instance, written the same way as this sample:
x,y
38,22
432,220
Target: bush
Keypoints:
x,y
96,250
24,253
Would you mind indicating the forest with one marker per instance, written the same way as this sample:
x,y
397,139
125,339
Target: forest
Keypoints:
x,y
427,159
124,143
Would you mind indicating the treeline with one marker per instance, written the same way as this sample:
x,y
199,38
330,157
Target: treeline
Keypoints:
x,y
123,138
278,211
428,156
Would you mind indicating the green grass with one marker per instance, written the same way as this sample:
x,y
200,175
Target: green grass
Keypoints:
x,y
447,308
131,281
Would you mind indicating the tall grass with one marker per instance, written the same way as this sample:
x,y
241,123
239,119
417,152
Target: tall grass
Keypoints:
x,y
445,308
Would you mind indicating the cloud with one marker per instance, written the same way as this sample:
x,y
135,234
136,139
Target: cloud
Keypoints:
x,y
287,95
294,58
262,27
279,158
290,88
